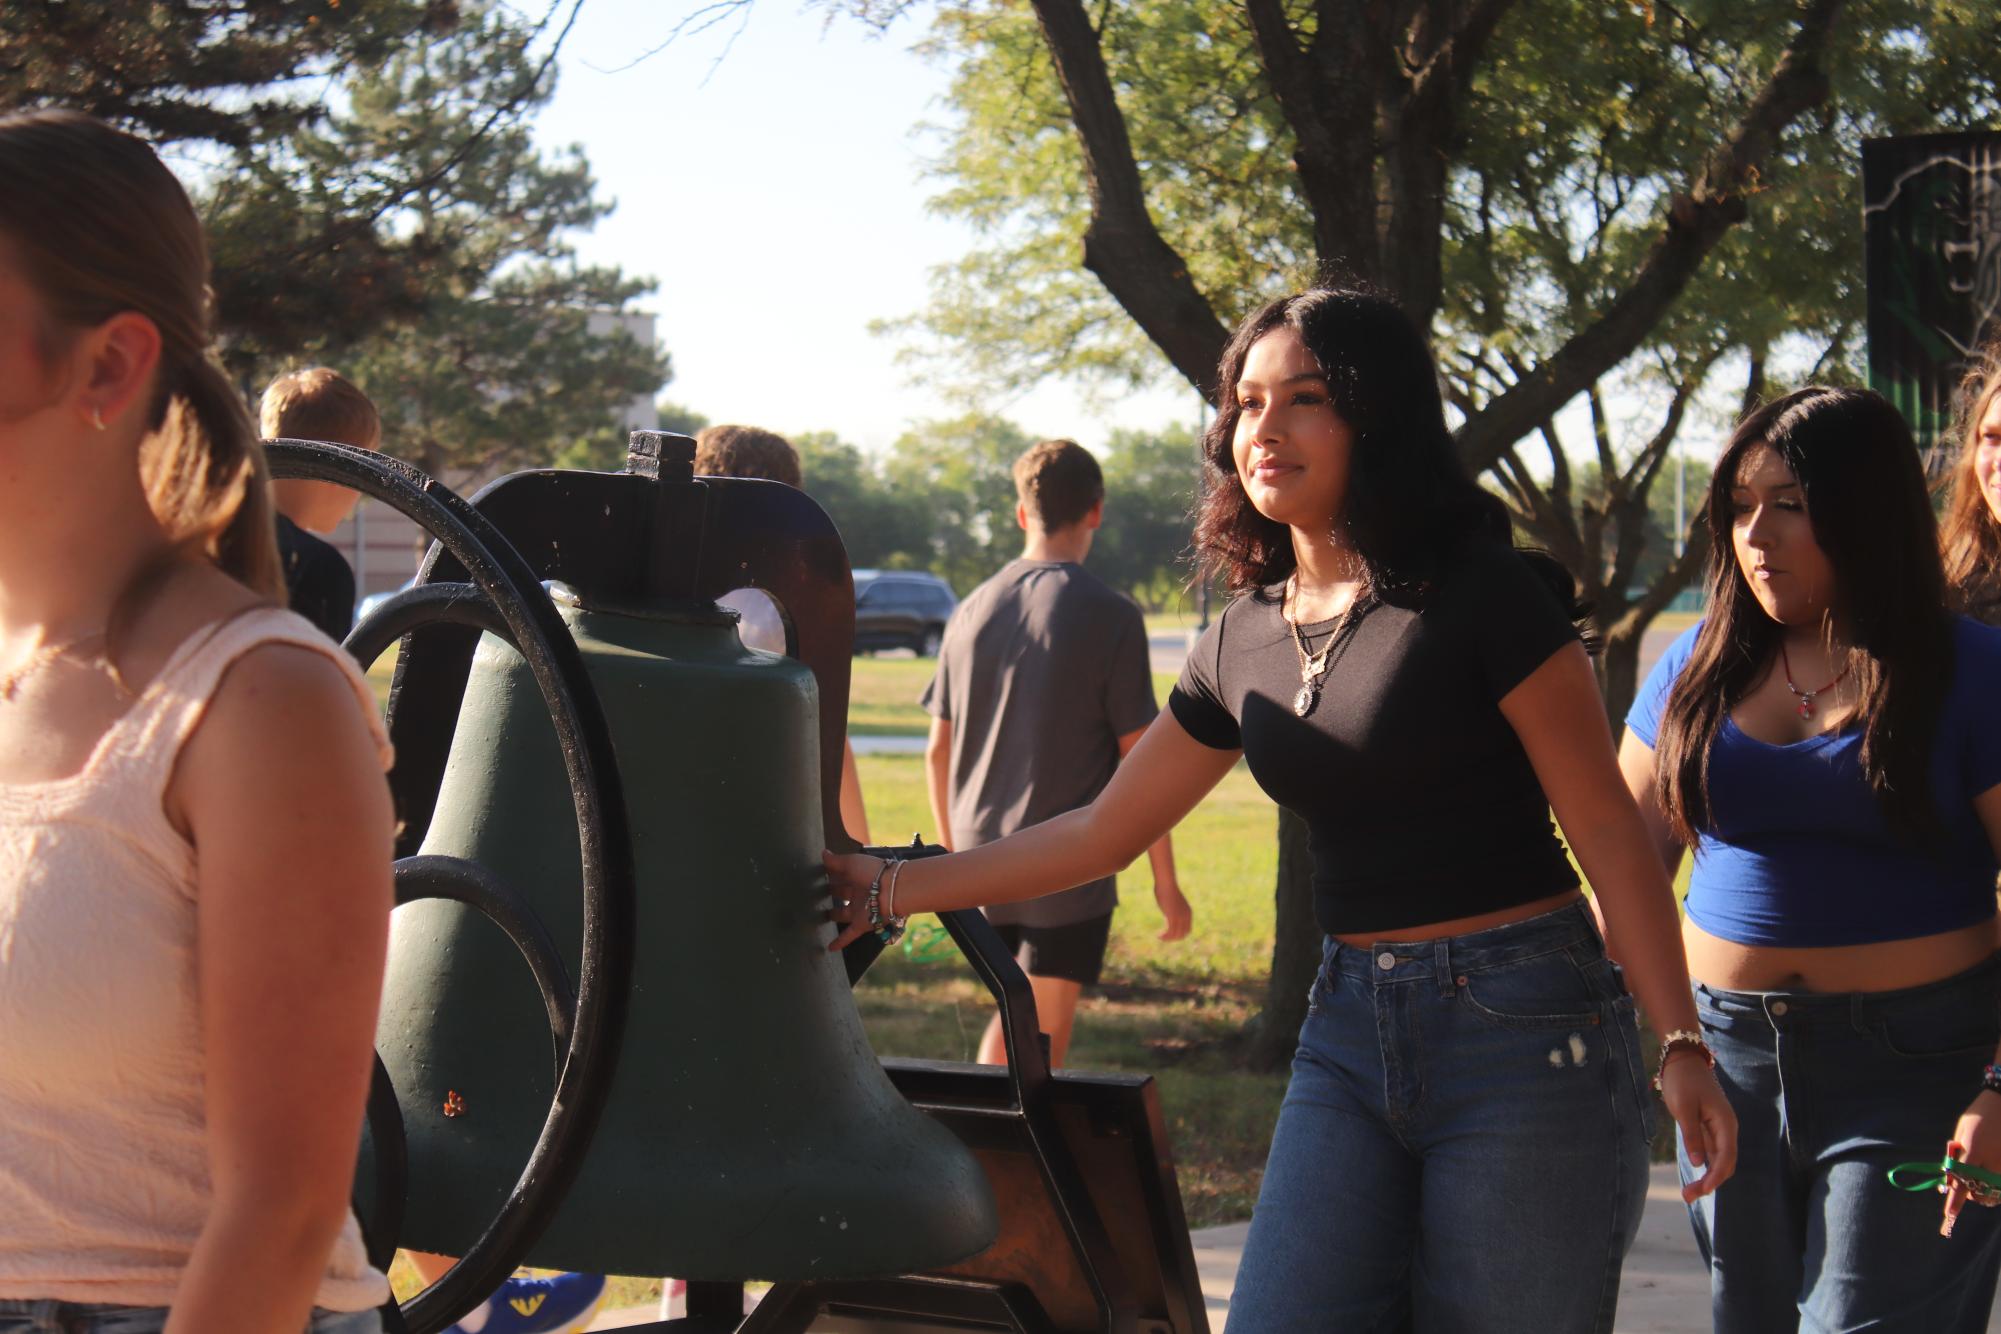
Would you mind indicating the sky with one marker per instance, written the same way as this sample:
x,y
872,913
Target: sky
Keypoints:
x,y
772,183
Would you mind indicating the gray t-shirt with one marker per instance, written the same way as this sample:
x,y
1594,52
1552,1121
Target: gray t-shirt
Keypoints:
x,y
1043,669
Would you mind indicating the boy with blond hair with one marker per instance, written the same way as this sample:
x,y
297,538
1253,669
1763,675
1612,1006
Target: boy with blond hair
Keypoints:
x,y
317,404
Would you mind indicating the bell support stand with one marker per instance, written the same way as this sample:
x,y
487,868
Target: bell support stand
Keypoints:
x,y
1028,1117
1098,1222
499,591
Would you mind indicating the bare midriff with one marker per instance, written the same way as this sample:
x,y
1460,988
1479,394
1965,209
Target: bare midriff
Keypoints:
x,y
1459,926
1887,965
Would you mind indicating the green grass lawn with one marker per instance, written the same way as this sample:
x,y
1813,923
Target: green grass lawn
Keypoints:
x,y
882,697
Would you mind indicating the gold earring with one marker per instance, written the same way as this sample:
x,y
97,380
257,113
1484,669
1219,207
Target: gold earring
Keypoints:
x,y
97,417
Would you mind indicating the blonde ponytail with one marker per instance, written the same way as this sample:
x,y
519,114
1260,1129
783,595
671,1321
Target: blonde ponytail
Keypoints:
x,y
207,481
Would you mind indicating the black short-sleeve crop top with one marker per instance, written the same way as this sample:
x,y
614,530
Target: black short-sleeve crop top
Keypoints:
x,y
1422,804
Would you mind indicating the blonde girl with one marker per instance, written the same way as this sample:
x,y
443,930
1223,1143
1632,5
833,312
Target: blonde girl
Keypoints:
x,y
1972,532
194,828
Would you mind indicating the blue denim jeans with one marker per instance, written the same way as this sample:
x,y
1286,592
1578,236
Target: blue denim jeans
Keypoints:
x,y
1463,1145
44,1317
1831,1091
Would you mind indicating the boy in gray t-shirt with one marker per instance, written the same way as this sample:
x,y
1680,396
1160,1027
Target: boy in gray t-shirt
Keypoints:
x,y
1043,683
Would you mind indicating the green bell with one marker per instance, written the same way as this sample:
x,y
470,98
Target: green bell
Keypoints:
x,y
750,1131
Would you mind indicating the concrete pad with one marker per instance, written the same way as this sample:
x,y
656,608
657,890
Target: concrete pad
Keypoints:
x,y
1664,1287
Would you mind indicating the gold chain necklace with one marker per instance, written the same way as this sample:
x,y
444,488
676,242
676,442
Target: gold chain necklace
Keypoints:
x,y
45,656
1313,666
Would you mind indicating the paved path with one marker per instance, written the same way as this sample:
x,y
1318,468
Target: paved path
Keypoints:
x,y
1664,1289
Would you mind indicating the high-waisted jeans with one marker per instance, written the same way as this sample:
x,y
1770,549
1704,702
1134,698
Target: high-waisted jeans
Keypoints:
x,y
47,1317
1831,1091
1463,1145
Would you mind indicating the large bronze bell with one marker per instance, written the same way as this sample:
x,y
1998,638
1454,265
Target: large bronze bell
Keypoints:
x,y
750,1130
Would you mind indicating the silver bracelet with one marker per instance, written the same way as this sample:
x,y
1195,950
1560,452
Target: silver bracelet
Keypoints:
x,y
889,897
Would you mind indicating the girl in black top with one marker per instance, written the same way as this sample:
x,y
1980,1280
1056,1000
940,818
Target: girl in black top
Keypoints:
x,y
1464,1141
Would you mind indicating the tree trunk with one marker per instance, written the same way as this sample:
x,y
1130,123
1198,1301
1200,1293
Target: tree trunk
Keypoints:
x,y
1295,950
1619,670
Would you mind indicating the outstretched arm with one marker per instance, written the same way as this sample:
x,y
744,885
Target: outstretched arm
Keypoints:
x,y
1160,782
1558,716
281,792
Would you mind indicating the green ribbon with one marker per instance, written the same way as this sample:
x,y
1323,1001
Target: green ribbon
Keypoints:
x,y
1950,1167
928,942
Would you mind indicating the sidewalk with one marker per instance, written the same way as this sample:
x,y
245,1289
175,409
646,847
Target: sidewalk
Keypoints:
x,y
1664,1290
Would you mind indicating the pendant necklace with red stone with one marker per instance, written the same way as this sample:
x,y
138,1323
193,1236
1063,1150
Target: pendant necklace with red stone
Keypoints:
x,y
1806,697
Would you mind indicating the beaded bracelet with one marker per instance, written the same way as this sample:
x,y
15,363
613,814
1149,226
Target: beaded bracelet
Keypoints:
x,y
1990,1079
1682,1039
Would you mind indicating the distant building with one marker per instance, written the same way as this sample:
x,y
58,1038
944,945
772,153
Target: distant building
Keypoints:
x,y
385,548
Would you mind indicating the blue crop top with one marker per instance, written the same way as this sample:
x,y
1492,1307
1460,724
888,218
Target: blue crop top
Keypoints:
x,y
1798,852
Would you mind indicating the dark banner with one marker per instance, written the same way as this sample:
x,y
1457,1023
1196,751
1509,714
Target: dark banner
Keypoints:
x,y
1932,209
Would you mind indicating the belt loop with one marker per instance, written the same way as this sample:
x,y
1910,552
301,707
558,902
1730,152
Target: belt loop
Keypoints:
x,y
1441,966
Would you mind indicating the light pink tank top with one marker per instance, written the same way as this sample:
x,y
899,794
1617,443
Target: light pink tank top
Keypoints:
x,y
104,1181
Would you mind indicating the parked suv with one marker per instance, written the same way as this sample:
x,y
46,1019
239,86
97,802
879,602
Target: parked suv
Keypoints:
x,y
901,609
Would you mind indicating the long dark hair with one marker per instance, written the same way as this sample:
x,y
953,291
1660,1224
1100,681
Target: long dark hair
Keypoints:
x,y
100,226
1865,498
1970,537
1409,501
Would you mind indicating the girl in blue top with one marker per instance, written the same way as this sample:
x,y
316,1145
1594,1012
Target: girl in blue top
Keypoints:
x,y
1829,742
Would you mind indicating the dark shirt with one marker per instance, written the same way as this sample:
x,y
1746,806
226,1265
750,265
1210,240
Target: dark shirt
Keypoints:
x,y
1421,803
317,579
1044,667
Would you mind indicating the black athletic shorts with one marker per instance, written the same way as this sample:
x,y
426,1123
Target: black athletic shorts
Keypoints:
x,y
1075,953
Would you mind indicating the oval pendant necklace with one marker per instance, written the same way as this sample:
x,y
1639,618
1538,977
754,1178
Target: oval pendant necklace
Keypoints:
x,y
1312,666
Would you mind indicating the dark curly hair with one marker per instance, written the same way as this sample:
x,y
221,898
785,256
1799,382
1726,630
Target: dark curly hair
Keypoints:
x,y
1409,501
